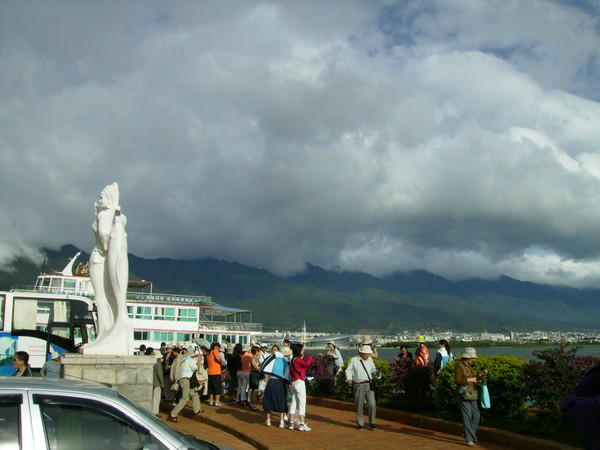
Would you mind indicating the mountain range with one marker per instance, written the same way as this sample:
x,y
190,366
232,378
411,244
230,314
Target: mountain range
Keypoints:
x,y
349,302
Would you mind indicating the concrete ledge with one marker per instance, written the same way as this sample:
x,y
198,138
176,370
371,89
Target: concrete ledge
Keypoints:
x,y
486,434
130,375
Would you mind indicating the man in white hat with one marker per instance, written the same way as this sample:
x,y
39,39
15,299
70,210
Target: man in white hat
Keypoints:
x,y
359,375
51,368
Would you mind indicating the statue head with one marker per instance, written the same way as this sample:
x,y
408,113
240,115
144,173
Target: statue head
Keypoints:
x,y
109,197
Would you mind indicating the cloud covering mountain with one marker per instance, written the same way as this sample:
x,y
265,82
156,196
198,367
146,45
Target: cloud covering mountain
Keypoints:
x,y
457,137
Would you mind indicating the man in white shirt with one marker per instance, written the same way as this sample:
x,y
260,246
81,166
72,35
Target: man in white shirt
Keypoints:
x,y
359,373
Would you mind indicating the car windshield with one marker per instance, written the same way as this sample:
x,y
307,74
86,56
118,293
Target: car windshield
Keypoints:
x,y
190,441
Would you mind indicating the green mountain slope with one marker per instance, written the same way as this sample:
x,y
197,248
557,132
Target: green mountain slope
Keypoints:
x,y
355,301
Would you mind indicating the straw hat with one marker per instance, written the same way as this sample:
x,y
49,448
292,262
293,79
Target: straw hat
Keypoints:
x,y
365,349
286,351
469,353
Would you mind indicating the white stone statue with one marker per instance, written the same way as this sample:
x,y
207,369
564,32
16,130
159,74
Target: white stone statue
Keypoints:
x,y
109,273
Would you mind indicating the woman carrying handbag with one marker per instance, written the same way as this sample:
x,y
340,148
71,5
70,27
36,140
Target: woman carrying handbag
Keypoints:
x,y
467,379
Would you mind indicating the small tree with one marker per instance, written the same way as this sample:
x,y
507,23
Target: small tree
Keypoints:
x,y
556,373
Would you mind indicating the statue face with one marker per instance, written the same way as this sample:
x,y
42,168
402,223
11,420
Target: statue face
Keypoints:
x,y
104,200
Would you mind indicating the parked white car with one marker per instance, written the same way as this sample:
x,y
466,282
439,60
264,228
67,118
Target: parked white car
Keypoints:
x,y
47,414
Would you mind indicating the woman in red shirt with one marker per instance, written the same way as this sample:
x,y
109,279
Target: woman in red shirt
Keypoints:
x,y
243,376
298,367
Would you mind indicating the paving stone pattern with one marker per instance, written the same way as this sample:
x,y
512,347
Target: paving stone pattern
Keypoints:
x,y
331,429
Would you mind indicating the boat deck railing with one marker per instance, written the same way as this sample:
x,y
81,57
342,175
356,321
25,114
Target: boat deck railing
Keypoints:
x,y
51,290
196,300
230,326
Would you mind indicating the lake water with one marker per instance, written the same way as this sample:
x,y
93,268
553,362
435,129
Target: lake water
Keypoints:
x,y
525,353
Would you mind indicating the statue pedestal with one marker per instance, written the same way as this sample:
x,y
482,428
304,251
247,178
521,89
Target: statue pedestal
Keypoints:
x,y
129,375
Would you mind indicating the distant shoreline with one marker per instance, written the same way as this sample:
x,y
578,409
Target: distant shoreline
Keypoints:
x,y
494,344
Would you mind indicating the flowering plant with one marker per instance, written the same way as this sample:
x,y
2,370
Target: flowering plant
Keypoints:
x,y
556,373
322,371
410,380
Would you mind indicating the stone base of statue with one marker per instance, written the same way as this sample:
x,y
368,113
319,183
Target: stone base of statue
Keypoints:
x,y
129,375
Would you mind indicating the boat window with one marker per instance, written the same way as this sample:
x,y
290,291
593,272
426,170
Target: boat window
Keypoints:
x,y
163,336
141,335
183,337
69,285
186,315
161,313
143,312
46,282
56,283
130,311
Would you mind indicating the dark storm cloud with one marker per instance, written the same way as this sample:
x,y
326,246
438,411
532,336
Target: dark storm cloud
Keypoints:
x,y
461,137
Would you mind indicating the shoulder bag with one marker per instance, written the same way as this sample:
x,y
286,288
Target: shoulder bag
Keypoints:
x,y
372,385
468,391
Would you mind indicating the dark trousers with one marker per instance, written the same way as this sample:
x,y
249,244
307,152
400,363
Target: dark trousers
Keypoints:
x,y
470,416
584,413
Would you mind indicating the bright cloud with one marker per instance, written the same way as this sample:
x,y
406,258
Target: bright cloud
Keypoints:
x,y
377,136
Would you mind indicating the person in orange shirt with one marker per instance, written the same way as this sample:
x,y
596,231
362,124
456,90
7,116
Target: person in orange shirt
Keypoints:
x,y
215,367
421,353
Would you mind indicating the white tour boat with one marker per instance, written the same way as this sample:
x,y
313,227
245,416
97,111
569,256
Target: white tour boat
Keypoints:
x,y
156,317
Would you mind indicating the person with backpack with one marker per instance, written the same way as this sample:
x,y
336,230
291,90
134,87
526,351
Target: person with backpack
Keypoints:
x,y
443,356
300,362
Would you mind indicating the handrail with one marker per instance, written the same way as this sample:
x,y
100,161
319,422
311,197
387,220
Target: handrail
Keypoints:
x,y
200,300
230,326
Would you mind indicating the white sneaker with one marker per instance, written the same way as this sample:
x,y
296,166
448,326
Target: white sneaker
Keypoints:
x,y
304,427
291,426
281,424
268,423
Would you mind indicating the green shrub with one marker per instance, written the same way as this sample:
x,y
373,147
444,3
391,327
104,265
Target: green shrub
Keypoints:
x,y
504,381
384,386
556,373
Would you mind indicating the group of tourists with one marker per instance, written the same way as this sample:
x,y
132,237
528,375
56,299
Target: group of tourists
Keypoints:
x,y
442,356
245,375
277,377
